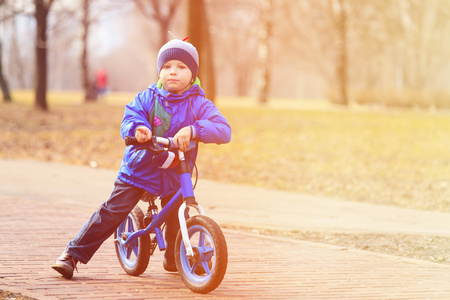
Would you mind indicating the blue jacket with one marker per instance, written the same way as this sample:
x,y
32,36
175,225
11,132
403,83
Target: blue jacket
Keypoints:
x,y
190,108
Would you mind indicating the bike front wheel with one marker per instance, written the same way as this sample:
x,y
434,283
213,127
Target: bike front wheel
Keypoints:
x,y
205,271
133,259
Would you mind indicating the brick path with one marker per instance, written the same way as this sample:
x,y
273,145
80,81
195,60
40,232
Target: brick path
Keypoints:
x,y
33,233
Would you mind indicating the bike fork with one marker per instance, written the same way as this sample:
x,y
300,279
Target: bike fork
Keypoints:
x,y
189,200
183,227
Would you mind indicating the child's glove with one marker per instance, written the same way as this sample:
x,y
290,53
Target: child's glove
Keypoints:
x,y
166,160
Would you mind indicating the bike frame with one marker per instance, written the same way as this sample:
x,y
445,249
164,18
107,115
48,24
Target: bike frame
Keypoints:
x,y
183,198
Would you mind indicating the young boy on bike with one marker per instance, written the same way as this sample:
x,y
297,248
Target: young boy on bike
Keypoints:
x,y
174,107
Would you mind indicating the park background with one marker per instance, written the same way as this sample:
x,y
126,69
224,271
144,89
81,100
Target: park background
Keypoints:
x,y
388,53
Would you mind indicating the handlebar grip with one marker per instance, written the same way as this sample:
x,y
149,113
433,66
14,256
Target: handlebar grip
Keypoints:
x,y
155,143
129,140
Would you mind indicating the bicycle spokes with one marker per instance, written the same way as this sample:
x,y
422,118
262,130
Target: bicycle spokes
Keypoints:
x,y
135,256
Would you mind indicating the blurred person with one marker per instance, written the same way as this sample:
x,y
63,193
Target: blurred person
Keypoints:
x,y
175,107
101,83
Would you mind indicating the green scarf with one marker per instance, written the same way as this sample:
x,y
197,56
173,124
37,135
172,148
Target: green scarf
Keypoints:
x,y
159,117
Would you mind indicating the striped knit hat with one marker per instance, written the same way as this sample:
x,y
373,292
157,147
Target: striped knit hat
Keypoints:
x,y
179,50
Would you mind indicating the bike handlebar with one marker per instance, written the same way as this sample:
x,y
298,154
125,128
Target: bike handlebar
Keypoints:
x,y
155,143
130,140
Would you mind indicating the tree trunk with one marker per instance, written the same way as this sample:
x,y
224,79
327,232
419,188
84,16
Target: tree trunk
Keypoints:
x,y
341,70
86,80
264,52
209,66
3,82
197,29
42,9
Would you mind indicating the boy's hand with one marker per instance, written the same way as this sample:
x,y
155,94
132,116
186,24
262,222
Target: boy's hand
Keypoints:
x,y
182,138
143,134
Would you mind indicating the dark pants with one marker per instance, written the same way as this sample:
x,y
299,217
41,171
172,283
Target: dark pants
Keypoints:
x,y
171,230
104,222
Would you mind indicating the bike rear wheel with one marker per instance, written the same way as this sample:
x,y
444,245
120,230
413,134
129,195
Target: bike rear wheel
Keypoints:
x,y
133,259
205,271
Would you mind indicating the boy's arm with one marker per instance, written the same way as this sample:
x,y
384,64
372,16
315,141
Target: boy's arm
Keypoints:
x,y
136,114
211,126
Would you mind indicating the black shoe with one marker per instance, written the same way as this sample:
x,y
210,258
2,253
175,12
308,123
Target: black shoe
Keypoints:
x,y
65,264
169,265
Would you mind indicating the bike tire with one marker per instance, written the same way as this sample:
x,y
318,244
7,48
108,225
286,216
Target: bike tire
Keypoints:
x,y
134,259
210,245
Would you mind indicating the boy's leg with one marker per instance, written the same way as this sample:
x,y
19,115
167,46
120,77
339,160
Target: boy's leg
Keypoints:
x,y
103,222
171,231
170,234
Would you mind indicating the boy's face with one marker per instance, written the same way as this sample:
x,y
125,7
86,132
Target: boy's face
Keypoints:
x,y
175,76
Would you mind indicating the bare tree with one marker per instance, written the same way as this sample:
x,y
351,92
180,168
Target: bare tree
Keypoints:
x,y
160,11
309,31
86,81
265,33
3,82
197,28
426,29
16,55
234,31
89,17
12,13
42,8
339,15
400,47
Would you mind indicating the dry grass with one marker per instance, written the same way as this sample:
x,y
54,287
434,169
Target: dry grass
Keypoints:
x,y
389,158
13,296
393,158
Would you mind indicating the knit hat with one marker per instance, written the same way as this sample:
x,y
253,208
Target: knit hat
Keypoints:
x,y
179,50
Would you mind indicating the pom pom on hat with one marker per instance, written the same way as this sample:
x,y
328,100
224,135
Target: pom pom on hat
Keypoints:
x,y
166,160
179,50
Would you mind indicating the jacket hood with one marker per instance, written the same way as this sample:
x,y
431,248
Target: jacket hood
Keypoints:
x,y
195,89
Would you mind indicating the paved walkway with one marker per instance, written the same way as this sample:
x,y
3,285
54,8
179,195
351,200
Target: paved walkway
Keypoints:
x,y
43,205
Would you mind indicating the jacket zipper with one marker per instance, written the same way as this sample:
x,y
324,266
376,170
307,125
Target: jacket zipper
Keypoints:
x,y
137,157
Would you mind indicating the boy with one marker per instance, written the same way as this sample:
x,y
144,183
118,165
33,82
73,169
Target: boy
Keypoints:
x,y
174,107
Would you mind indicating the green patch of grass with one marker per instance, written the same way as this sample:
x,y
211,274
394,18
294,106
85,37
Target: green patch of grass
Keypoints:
x,y
390,158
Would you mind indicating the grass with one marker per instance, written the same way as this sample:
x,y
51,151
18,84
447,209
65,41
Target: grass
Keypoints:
x,y
389,157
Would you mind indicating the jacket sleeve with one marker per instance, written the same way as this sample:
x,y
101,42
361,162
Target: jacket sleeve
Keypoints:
x,y
137,114
211,126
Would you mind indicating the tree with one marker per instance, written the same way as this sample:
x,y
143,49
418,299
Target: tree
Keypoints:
x,y
85,79
235,36
402,48
42,8
162,14
197,29
3,82
339,15
265,32
316,30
